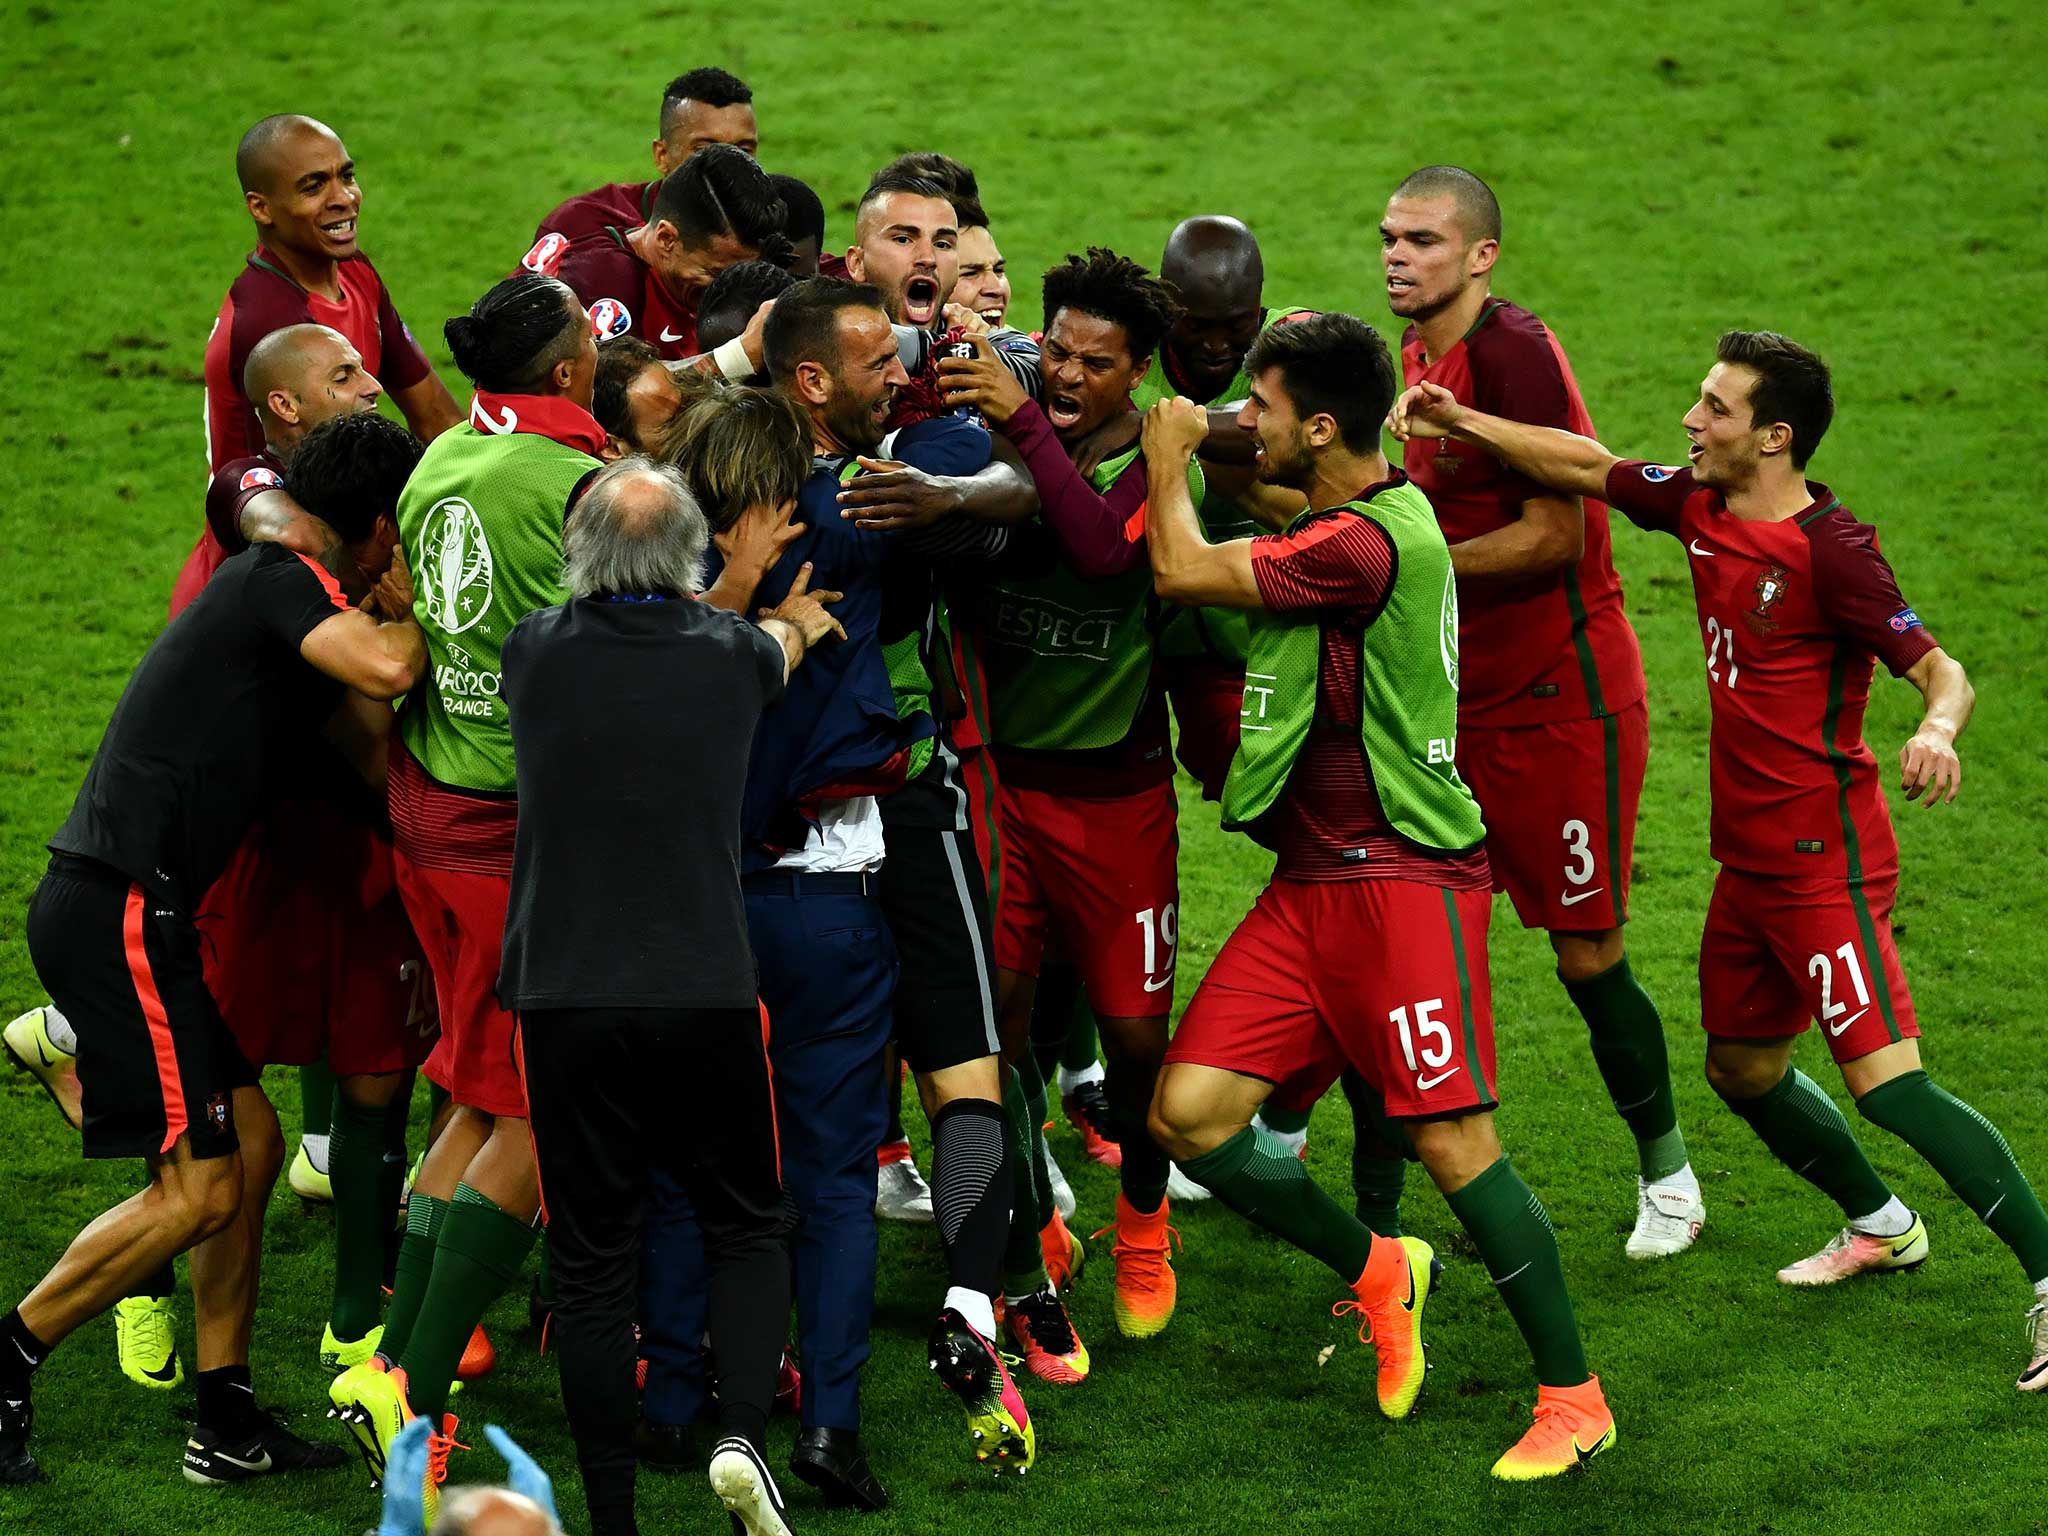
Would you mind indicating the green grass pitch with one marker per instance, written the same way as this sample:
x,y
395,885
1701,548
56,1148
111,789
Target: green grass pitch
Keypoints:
x,y
1864,176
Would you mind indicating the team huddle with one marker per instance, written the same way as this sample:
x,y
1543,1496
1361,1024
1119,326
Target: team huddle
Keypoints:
x,y
974,585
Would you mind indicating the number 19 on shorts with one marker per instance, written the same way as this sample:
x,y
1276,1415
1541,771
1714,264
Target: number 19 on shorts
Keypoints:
x,y
1161,929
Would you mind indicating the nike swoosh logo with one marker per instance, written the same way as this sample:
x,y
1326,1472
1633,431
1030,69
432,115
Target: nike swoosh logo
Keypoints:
x,y
1694,546
668,335
1574,898
1409,1304
1158,986
1424,1084
260,1464
1901,1244
45,1060
166,1371
1584,1453
1836,1029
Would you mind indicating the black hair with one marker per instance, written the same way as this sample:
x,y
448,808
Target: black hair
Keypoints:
x,y
804,214
254,167
803,327
729,303
1478,208
887,181
1114,288
956,182
513,336
722,190
619,362
1331,365
1792,386
349,470
713,87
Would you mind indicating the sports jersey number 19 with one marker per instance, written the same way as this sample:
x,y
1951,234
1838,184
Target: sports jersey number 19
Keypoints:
x,y
1161,928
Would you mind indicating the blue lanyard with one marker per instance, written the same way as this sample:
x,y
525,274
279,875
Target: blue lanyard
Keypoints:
x,y
634,597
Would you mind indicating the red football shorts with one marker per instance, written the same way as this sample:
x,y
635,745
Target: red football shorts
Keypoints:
x,y
1208,702
1100,877
460,918
1560,807
978,774
1778,954
307,948
1388,976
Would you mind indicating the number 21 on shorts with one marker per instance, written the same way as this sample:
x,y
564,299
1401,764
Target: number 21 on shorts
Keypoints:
x,y
1822,969
1431,1064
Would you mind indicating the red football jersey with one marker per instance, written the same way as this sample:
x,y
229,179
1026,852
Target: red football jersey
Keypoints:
x,y
1558,647
233,486
263,299
624,203
1791,615
620,290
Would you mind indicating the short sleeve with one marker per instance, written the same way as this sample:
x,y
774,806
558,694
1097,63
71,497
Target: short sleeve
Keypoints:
x,y
232,488
1859,596
766,653
405,364
1341,564
1649,495
290,595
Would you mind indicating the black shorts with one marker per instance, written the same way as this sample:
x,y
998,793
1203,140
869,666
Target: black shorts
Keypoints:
x,y
933,894
155,1062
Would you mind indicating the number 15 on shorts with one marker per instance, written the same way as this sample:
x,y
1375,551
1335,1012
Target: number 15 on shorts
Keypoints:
x,y
1432,1064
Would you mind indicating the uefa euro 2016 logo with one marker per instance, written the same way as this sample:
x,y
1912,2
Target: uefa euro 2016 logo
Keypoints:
x,y
454,570
1447,628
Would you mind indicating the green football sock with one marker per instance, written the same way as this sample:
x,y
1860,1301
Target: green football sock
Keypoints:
x,y
479,1255
1284,1122
362,1215
1628,1048
1806,1133
1379,1158
316,1099
423,1217
1260,1179
1082,1043
1967,1151
1034,1145
1516,1242
1054,1006
1023,1262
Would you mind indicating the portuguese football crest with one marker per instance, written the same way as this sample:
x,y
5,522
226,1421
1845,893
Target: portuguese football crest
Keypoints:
x,y
1768,591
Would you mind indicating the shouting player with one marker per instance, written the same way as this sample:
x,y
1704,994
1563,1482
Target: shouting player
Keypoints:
x,y
1086,805
1553,734
698,109
1795,606
1368,947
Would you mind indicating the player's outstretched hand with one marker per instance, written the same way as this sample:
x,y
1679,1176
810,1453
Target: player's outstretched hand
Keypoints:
x,y
1928,765
522,1473
1426,410
405,1470
750,338
803,610
982,382
759,535
393,593
965,319
1173,430
895,497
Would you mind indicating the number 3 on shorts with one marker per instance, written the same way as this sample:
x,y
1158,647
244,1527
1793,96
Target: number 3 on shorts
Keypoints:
x,y
1430,1068
1578,848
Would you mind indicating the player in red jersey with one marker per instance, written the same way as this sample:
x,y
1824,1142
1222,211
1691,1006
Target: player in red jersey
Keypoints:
x,y
1553,735
716,209
1795,602
1368,947
701,107
300,187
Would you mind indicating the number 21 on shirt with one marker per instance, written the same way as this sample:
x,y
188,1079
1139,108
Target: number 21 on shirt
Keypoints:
x,y
1721,652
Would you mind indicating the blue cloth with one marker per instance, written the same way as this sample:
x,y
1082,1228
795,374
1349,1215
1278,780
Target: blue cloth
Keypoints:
x,y
674,1278
828,978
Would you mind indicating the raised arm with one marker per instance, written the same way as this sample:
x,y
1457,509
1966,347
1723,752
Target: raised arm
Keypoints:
x,y
1564,461
1927,762
379,658
1187,568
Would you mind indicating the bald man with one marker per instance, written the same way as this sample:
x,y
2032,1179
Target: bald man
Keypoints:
x,y
492,1512
299,185
296,378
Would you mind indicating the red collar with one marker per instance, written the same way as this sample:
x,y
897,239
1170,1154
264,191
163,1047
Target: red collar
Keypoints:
x,y
543,415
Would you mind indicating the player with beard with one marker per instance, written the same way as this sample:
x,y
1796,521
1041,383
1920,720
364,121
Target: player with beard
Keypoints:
x,y
646,279
1368,946
1796,605
1553,730
207,726
1078,724
698,109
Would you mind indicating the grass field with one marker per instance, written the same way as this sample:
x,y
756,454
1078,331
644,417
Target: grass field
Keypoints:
x,y
1863,176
